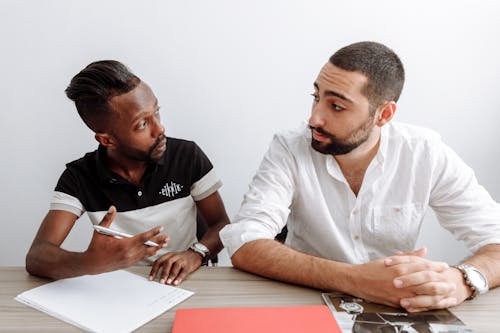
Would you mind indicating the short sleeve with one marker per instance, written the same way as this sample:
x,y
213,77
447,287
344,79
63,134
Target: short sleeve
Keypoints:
x,y
66,194
205,180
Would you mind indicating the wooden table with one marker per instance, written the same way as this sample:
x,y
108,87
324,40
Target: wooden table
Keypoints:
x,y
213,287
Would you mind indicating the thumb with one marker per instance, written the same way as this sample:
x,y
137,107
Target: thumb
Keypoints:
x,y
421,252
109,217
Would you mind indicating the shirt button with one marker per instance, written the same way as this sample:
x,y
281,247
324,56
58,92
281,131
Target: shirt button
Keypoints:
x,y
139,193
356,237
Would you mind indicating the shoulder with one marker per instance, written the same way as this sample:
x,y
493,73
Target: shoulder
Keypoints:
x,y
78,176
293,140
182,145
180,150
83,165
186,155
411,135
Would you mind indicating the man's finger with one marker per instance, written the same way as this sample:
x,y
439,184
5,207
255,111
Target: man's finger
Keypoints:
x,y
419,253
424,303
109,217
436,288
410,264
181,277
417,278
151,251
166,268
157,264
175,270
148,235
161,240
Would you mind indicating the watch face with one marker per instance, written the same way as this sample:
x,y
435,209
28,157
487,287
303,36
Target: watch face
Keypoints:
x,y
477,279
352,307
201,247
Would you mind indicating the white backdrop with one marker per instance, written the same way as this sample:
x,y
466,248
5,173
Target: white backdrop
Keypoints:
x,y
228,74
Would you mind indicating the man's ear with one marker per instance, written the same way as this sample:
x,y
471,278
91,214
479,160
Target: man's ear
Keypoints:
x,y
105,139
385,113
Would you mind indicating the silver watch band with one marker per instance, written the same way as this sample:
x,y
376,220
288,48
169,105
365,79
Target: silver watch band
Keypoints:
x,y
476,281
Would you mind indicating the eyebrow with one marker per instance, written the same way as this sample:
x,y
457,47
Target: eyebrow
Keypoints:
x,y
140,115
333,93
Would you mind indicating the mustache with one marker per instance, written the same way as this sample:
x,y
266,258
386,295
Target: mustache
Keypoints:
x,y
159,139
321,131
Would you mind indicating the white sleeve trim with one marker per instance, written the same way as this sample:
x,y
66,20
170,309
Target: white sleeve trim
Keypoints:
x,y
207,185
63,201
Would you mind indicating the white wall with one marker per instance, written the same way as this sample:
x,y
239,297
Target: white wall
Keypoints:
x,y
228,75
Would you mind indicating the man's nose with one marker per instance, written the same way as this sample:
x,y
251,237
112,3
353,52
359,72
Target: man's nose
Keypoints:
x,y
159,128
316,119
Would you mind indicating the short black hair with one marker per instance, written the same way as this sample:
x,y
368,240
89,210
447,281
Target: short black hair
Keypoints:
x,y
95,85
381,65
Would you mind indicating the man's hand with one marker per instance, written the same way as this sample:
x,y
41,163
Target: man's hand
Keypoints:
x,y
432,285
107,253
380,280
173,267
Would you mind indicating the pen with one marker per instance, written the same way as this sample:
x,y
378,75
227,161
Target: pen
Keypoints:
x,y
119,234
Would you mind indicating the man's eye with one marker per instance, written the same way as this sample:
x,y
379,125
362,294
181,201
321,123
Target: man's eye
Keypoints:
x,y
337,107
142,124
315,97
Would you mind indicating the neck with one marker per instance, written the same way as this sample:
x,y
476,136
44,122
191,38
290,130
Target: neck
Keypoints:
x,y
355,163
129,169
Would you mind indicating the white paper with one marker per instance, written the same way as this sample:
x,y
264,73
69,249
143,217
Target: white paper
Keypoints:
x,y
117,301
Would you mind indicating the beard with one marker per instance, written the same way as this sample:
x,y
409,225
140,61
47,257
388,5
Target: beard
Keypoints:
x,y
153,155
337,146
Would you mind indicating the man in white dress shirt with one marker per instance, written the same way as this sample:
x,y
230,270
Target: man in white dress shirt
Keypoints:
x,y
352,188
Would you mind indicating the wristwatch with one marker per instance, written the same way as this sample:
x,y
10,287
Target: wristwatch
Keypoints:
x,y
474,279
201,250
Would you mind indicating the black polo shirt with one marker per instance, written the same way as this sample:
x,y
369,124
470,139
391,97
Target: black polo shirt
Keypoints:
x,y
165,196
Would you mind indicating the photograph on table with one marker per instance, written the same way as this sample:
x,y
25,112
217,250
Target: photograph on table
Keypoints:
x,y
356,315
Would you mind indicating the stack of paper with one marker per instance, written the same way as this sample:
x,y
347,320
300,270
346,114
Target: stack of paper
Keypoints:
x,y
118,301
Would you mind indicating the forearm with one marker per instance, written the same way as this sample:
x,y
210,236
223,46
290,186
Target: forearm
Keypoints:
x,y
211,237
49,260
487,260
274,260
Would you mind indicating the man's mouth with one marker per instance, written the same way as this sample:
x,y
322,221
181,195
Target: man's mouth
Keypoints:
x,y
160,145
319,135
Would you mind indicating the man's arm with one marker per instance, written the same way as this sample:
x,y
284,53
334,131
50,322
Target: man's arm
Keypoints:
x,y
487,260
214,213
371,281
466,209
174,267
46,258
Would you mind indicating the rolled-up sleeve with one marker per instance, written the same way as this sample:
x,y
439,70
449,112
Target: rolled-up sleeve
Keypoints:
x,y
266,205
463,206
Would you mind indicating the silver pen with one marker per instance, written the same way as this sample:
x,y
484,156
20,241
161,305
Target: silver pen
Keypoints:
x,y
118,234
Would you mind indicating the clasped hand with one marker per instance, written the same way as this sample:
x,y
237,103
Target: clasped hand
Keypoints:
x,y
411,281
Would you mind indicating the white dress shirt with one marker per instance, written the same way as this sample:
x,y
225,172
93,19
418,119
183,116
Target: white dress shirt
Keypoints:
x,y
412,170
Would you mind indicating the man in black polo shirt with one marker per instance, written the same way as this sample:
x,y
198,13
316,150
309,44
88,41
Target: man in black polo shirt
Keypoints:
x,y
138,181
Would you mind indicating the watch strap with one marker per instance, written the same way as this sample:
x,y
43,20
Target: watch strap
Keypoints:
x,y
464,270
205,255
